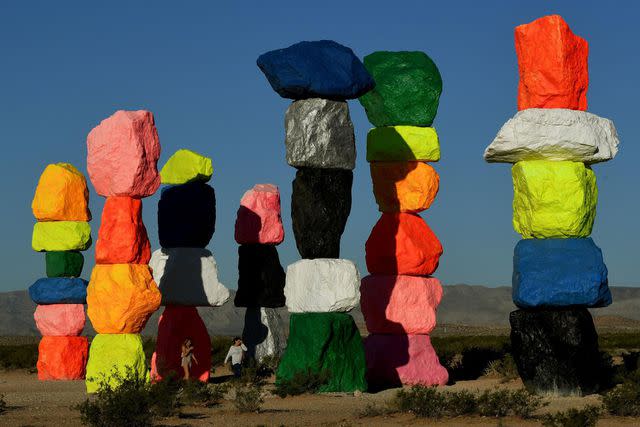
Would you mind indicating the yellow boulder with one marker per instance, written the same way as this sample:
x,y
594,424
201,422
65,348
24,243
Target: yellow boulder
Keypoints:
x,y
61,236
61,195
114,357
403,144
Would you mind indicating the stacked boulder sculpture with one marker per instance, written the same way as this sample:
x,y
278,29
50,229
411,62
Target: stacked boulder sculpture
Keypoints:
x,y
320,289
399,298
558,271
122,154
185,271
61,207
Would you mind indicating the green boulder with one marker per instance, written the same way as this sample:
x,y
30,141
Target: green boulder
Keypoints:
x,y
325,342
64,263
407,91
186,166
113,356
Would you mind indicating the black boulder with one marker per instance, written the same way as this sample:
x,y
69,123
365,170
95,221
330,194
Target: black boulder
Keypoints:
x,y
261,278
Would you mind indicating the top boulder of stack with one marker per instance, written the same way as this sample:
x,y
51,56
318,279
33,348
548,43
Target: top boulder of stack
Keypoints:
x,y
61,195
316,69
186,166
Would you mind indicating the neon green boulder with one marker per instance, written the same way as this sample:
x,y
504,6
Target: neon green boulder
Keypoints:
x,y
113,357
61,236
553,199
403,143
186,166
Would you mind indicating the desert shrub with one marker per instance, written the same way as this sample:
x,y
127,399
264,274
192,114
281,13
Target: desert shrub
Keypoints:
x,y
623,400
461,402
268,365
302,382
148,346
619,341
20,356
467,357
586,417
3,404
424,402
248,398
504,368
163,396
199,393
372,410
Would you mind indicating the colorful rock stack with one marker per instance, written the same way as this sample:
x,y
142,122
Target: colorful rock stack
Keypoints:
x,y
183,268
321,288
122,156
399,298
61,207
558,271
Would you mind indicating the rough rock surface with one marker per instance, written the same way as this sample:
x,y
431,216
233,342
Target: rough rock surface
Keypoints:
x,y
404,186
558,273
59,290
316,69
319,134
400,304
553,199
325,342
402,243
187,215
62,358
407,91
121,298
61,195
264,333
64,263
186,166
122,155
114,352
556,350
61,236
188,276
176,324
553,65
554,134
396,360
258,219
60,320
122,238
261,278
403,144
322,285
320,207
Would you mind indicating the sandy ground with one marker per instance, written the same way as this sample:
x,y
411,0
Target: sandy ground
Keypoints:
x,y
36,403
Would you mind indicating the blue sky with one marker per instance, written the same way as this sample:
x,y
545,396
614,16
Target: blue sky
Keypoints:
x,y
68,65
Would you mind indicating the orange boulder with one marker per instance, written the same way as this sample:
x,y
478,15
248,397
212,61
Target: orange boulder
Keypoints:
x,y
62,358
404,186
122,238
553,65
61,195
121,298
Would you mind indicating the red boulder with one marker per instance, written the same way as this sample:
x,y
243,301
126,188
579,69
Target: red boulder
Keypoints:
x,y
62,358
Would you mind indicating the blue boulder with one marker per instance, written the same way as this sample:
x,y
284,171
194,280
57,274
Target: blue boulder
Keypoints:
x,y
559,273
59,290
318,69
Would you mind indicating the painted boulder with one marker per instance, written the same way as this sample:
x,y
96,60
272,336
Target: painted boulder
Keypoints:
x,y
61,236
258,219
115,354
403,144
64,263
59,290
60,320
264,333
404,186
62,358
61,195
186,166
261,278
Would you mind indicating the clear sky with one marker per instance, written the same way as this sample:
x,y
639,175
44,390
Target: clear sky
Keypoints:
x,y
67,65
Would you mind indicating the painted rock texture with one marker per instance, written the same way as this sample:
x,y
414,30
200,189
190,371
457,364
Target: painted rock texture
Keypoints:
x,y
264,333
188,276
559,272
404,186
396,360
322,285
122,155
325,342
60,320
59,290
187,215
61,195
61,236
402,243
400,304
553,199
62,358
121,298
114,352
122,238
320,207
556,350
554,134
553,65
407,91
258,219
186,166
176,324
261,278
319,134
316,69
64,263
403,144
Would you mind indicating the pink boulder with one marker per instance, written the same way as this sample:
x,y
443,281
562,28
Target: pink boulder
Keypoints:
x,y
395,360
60,320
122,155
62,358
178,323
259,218
400,304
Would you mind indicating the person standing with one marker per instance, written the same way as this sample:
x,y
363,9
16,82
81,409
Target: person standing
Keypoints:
x,y
236,354
187,357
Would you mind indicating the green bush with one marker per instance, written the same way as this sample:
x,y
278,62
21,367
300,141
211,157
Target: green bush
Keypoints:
x,y
504,368
3,404
586,417
302,382
20,356
461,402
501,402
248,398
424,402
197,393
623,400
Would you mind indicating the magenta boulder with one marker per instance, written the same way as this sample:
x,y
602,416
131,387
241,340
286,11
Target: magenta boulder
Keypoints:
x,y
258,219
